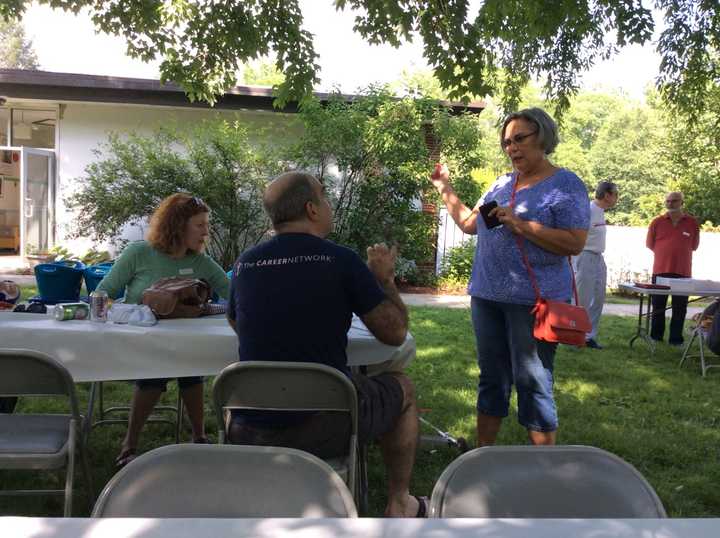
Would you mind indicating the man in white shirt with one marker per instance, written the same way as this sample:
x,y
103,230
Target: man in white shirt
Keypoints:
x,y
590,270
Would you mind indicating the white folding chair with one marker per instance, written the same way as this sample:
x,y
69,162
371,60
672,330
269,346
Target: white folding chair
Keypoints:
x,y
225,481
293,386
543,482
41,441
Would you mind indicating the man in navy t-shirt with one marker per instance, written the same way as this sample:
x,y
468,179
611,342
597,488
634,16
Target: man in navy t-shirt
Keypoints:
x,y
292,299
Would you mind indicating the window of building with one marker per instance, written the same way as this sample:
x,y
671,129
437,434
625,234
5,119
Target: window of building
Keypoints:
x,y
33,128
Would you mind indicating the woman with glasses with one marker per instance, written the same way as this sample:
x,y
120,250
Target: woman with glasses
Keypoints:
x,y
544,211
179,231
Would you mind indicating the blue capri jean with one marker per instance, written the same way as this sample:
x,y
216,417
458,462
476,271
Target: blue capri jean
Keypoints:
x,y
508,355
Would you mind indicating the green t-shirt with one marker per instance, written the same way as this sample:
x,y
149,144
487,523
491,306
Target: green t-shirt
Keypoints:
x,y
140,265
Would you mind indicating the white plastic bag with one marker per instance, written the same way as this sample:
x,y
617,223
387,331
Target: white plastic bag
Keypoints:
x,y
132,314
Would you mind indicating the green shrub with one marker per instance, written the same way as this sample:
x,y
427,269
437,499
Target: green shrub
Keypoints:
x,y
372,158
215,160
457,265
370,154
94,256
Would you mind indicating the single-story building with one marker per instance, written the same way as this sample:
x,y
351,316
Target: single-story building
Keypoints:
x,y
50,123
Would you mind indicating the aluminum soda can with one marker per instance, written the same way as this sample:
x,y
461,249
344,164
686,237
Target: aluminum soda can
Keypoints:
x,y
67,311
98,306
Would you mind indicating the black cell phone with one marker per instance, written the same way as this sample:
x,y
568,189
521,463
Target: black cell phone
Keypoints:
x,y
490,221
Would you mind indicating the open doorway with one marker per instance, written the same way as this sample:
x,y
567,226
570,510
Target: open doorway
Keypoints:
x,y
27,182
9,203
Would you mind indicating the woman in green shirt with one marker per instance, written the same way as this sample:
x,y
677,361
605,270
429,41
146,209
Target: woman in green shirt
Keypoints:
x,y
179,230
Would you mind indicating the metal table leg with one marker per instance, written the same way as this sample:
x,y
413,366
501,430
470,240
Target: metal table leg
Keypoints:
x,y
643,329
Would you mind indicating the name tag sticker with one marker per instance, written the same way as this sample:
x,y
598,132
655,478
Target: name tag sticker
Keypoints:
x,y
186,271
686,234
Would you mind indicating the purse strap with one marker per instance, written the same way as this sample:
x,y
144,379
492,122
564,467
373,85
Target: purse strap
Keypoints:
x,y
525,260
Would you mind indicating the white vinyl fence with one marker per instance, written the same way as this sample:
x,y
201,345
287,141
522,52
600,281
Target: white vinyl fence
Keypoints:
x,y
626,256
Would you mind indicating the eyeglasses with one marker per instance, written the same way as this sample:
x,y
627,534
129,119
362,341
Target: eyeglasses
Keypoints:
x,y
517,139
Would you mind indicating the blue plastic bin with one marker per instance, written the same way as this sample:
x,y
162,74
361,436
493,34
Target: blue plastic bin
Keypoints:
x,y
75,264
58,283
93,275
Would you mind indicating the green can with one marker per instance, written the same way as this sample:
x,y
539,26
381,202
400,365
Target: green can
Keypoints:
x,y
67,311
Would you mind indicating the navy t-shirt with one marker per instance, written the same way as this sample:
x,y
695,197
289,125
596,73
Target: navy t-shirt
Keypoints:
x,y
292,299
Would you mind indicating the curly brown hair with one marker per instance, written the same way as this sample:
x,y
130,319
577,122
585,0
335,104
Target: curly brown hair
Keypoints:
x,y
168,222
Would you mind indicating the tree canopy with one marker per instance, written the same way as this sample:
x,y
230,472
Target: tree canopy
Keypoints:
x,y
484,48
643,147
16,50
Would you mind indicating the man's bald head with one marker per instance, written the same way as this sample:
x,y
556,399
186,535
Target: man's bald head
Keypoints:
x,y
674,202
286,196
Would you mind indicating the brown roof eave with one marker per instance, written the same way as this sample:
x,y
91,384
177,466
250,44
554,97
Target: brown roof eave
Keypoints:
x,y
24,84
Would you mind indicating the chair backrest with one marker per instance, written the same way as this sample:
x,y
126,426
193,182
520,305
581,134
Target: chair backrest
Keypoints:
x,y
272,385
543,482
197,481
31,373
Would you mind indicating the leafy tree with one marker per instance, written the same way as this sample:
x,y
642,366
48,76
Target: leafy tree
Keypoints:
x,y
630,150
371,155
693,150
214,161
495,49
16,51
262,74
419,82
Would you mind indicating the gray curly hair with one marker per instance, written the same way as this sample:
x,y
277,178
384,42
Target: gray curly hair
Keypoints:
x,y
547,130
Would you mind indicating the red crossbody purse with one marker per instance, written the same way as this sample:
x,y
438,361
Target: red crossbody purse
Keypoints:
x,y
555,321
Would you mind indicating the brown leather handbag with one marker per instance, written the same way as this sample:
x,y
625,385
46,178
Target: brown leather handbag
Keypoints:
x,y
178,297
556,321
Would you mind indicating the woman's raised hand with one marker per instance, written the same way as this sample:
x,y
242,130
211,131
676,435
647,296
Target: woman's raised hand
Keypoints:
x,y
440,176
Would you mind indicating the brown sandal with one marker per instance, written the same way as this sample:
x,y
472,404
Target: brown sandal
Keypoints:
x,y
125,457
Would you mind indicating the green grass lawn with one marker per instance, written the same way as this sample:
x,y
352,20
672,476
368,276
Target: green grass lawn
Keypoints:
x,y
27,291
662,419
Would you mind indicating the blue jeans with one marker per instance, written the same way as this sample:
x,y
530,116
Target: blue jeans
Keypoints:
x,y
508,355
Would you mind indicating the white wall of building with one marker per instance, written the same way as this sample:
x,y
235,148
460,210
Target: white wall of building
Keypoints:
x,y
83,127
626,256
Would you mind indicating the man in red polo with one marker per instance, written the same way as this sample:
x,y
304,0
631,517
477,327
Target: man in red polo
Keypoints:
x,y
672,237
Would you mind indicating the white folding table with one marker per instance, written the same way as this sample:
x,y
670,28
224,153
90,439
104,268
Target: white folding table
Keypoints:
x,y
173,348
18,527
645,312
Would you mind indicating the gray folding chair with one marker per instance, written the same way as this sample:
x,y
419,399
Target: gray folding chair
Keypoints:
x,y
40,441
173,415
699,335
543,482
225,481
292,386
